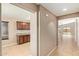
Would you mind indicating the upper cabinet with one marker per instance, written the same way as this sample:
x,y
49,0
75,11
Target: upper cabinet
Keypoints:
x,y
23,25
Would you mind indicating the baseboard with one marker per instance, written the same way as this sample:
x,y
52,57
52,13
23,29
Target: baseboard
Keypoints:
x,y
51,51
7,45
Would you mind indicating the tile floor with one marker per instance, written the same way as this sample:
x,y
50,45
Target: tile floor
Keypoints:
x,y
67,46
17,50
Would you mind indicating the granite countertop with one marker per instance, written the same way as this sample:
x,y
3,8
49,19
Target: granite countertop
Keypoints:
x,y
23,32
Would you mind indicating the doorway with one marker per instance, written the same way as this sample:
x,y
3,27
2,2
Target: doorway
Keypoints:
x,y
67,37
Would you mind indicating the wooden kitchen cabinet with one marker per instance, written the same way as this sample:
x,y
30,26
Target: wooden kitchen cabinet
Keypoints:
x,y
23,39
28,38
23,25
19,25
20,39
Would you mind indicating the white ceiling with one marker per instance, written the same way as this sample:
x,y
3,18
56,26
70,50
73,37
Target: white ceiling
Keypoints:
x,y
56,8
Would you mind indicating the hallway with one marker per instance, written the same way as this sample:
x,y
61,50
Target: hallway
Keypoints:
x,y
66,44
66,47
40,23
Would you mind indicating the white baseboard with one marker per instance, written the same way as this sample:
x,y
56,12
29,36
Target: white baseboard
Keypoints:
x,y
7,45
51,51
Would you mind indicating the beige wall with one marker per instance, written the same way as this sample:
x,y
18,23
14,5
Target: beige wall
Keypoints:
x,y
77,32
69,16
12,32
48,31
0,30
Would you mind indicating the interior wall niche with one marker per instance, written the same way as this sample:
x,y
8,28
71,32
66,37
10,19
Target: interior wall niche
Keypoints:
x,y
4,30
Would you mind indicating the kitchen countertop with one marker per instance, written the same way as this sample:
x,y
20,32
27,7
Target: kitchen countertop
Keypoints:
x,y
23,32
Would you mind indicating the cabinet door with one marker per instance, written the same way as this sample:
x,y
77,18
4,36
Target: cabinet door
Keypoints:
x,y
28,26
28,38
25,39
21,39
24,25
19,25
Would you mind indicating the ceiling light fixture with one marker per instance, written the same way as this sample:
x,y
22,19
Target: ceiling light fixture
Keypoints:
x,y
64,9
47,15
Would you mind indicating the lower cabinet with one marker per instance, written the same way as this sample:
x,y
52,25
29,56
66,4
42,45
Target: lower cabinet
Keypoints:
x,y
23,39
20,39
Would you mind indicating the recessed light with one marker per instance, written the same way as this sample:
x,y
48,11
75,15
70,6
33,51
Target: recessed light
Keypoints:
x,y
64,9
47,15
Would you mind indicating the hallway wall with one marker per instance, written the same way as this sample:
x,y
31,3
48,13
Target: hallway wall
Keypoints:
x,y
77,32
0,30
48,31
